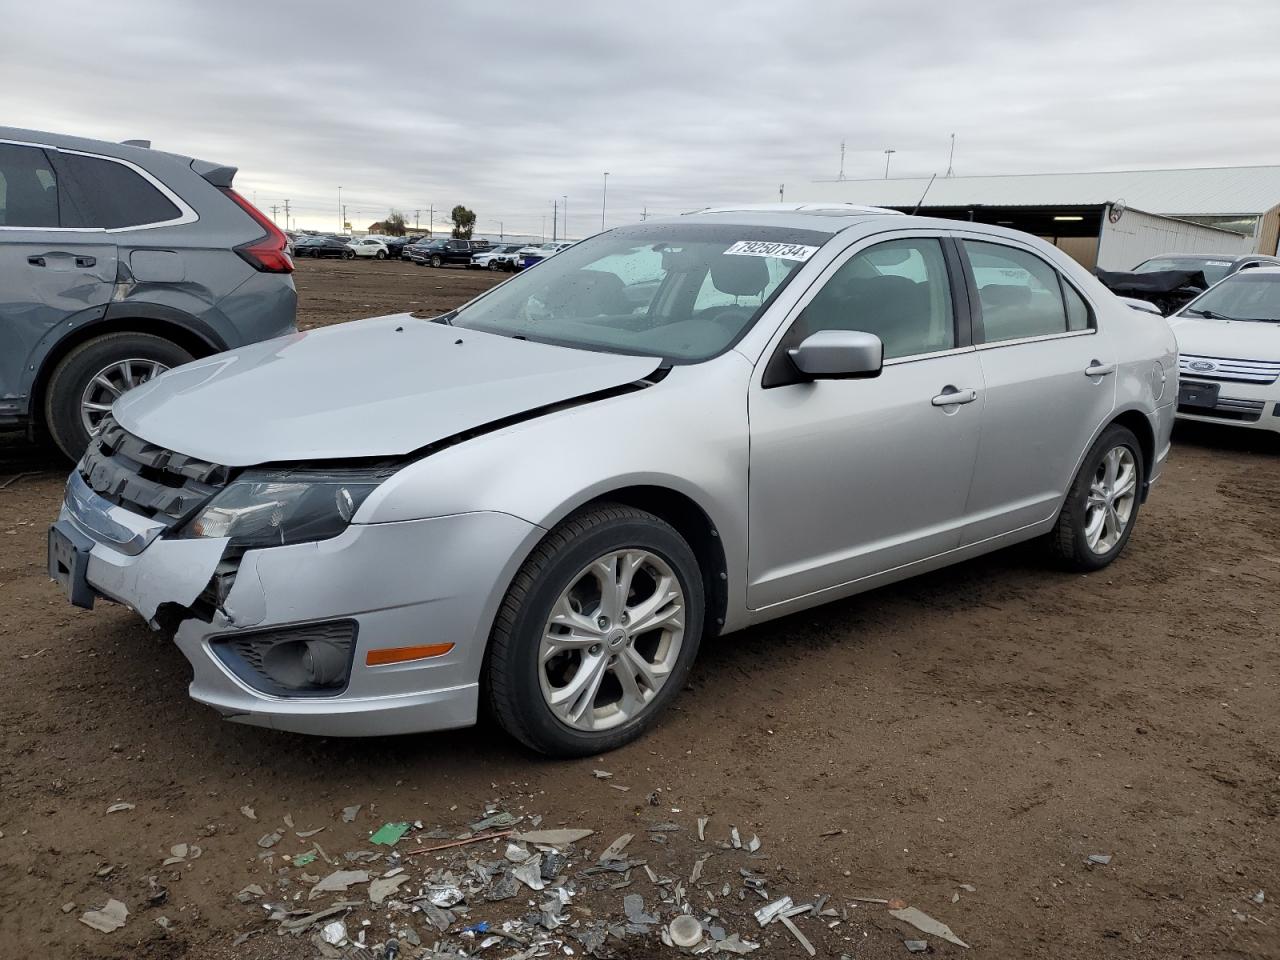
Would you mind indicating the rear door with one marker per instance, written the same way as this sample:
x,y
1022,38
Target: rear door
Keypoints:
x,y
1050,377
52,270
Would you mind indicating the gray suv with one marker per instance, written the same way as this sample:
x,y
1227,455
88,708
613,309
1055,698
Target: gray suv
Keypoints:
x,y
118,262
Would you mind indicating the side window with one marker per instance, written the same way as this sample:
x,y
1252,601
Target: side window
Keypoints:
x,y
899,290
1020,294
104,194
28,188
1077,309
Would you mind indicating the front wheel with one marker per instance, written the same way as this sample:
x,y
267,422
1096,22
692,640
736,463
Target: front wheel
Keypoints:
x,y
348,254
437,262
495,267
597,633
381,255
1102,505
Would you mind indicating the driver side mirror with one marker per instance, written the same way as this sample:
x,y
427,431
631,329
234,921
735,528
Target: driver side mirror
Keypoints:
x,y
838,355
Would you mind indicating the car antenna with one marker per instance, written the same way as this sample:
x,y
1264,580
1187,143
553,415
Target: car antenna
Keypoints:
x,y
923,195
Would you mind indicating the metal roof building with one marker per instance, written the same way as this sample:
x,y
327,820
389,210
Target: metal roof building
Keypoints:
x,y
1071,207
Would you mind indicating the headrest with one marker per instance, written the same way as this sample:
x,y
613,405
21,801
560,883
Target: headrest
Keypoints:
x,y
739,276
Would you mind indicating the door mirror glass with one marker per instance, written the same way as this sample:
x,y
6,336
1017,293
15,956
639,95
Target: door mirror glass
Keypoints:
x,y
838,355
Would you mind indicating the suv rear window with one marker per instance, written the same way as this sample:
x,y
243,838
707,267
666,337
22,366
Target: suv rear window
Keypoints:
x,y
28,188
105,194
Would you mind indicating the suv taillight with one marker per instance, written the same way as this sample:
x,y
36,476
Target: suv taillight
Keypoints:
x,y
270,254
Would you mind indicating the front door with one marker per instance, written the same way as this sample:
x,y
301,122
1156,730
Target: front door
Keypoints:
x,y
851,478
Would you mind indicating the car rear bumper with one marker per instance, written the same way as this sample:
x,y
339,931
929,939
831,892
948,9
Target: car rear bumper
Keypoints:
x,y
403,584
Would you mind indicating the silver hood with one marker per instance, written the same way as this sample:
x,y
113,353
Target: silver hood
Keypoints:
x,y
373,388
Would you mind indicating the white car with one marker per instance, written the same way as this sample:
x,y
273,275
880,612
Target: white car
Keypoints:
x,y
1229,352
501,257
369,247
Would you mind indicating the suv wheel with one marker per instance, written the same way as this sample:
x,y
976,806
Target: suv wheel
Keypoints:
x,y
381,255
436,261
89,379
1102,505
597,633
495,266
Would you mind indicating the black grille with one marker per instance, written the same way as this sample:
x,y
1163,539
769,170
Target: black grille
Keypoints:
x,y
147,479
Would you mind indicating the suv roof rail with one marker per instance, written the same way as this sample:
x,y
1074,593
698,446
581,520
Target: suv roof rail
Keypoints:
x,y
817,209
145,144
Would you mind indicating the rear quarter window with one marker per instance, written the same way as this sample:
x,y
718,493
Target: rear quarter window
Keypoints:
x,y
100,193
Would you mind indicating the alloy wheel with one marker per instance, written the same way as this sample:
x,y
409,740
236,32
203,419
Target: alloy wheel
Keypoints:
x,y
112,382
1112,496
612,640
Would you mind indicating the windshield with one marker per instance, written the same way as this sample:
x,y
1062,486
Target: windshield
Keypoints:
x,y
1214,270
681,291
1244,296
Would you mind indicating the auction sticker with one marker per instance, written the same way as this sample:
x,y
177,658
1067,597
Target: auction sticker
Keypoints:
x,y
763,248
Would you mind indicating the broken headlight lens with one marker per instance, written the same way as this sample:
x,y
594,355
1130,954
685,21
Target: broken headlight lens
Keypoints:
x,y
277,507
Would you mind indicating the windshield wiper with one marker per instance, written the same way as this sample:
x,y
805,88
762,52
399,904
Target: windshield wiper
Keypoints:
x,y
445,318
1210,314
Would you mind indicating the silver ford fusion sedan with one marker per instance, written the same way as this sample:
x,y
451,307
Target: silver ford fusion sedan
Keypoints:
x,y
545,500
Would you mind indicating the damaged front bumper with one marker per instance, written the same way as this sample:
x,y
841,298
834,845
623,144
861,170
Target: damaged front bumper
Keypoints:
x,y
432,582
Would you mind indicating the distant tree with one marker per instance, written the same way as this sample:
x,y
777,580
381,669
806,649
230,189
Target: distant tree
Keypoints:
x,y
394,224
464,221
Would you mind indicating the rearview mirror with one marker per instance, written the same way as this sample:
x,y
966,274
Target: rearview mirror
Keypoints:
x,y
838,355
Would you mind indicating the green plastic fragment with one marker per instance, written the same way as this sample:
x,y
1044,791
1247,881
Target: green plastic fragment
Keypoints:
x,y
302,859
389,833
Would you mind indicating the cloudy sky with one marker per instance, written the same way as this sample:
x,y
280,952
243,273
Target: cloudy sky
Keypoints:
x,y
505,106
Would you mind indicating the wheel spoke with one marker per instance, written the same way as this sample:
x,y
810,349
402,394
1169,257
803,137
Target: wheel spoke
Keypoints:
x,y
575,700
652,675
657,610
1094,522
633,698
1126,483
106,384
606,572
1110,465
126,374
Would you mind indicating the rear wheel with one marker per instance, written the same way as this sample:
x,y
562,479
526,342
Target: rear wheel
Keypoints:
x,y
597,633
381,255
89,379
348,254
1102,505
436,261
494,266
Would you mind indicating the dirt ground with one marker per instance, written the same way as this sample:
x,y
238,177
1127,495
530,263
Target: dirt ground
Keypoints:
x,y
991,726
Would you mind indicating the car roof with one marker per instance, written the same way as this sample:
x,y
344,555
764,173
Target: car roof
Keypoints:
x,y
1229,257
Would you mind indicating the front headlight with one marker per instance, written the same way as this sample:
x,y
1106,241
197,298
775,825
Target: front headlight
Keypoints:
x,y
270,508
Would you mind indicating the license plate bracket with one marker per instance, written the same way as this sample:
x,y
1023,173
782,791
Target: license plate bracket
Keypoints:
x,y
69,563
1195,394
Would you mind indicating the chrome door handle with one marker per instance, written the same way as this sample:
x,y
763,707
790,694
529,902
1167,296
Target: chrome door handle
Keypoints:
x,y
1098,369
951,397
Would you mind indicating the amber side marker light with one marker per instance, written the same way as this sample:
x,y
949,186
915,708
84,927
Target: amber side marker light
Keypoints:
x,y
384,655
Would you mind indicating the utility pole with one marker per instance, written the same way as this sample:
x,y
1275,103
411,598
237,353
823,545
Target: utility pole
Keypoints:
x,y
950,157
565,198
542,236
841,176
274,208
415,220
431,221
887,155
342,212
781,189
644,214
344,220
604,198
555,219
286,214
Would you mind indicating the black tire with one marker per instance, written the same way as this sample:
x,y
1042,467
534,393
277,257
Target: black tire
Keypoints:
x,y
380,255
74,372
494,266
1068,543
348,254
511,683
436,261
